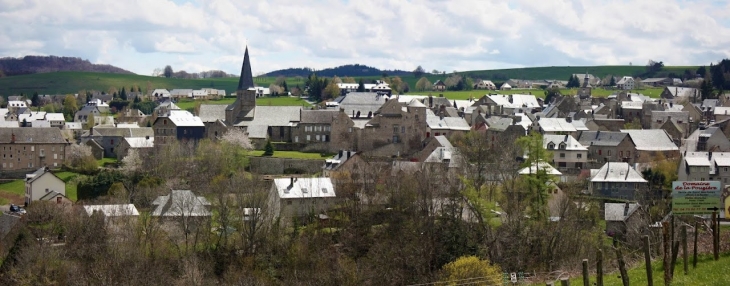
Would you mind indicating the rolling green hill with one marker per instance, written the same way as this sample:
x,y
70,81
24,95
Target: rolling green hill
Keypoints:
x,y
73,82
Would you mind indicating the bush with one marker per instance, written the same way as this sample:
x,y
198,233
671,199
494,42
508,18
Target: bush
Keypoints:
x,y
269,149
98,185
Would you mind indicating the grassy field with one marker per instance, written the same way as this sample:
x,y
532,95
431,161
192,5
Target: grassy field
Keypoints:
x,y
262,101
292,154
708,272
73,82
599,92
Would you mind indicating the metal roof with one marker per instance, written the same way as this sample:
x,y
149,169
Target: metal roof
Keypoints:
x,y
618,172
651,140
300,188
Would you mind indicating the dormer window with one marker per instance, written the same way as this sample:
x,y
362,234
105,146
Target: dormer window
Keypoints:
x,y
324,190
562,146
550,145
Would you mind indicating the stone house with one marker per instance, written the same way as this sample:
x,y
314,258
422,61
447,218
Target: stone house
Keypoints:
x,y
623,219
95,109
297,197
705,166
625,83
608,146
439,85
649,143
31,148
143,145
396,129
179,125
711,139
617,180
42,183
109,137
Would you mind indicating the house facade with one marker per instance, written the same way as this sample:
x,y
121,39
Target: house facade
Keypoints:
x,y
608,146
180,125
625,83
568,153
43,183
617,180
297,197
31,148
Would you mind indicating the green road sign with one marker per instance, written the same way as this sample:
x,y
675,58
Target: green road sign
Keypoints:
x,y
695,197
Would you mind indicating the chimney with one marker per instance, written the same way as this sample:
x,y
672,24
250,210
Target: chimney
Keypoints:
x,y
569,119
340,153
147,137
671,104
598,133
430,101
626,209
441,115
291,182
12,138
709,155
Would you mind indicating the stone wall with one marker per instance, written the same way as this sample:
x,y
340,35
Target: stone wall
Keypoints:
x,y
278,166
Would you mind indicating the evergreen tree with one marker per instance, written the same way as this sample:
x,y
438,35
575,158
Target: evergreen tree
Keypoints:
x,y
361,86
35,100
286,88
613,81
269,149
123,94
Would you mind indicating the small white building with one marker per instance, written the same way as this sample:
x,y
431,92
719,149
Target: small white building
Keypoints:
x,y
112,210
43,185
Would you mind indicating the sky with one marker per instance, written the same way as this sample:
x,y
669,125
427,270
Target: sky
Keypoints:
x,y
446,35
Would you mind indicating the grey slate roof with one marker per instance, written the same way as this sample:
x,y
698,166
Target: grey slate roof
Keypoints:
x,y
179,203
651,140
273,116
618,172
246,80
601,138
618,211
212,112
321,116
361,101
123,132
32,135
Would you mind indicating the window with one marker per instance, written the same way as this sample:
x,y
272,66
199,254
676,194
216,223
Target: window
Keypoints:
x,y
324,190
562,146
395,139
308,138
55,156
32,148
316,137
599,152
562,155
349,130
402,129
296,139
621,154
550,146
164,121
304,190
609,152
562,165
579,155
46,190
395,128
53,148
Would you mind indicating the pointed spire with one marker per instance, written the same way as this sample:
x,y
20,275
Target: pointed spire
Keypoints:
x,y
246,80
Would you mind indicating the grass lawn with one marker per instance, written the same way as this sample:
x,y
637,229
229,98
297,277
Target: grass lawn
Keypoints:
x,y
292,154
105,161
708,272
263,101
16,187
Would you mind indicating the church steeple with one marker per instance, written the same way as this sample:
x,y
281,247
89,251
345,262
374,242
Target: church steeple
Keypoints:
x,y
246,80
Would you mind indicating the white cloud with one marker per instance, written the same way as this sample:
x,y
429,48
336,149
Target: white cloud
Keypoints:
x,y
389,34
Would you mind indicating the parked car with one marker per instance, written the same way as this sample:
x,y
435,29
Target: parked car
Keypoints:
x,y
17,209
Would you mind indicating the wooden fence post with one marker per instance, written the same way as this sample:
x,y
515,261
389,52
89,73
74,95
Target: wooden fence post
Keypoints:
x,y
666,257
586,281
564,282
684,249
694,250
715,235
647,260
599,268
622,266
